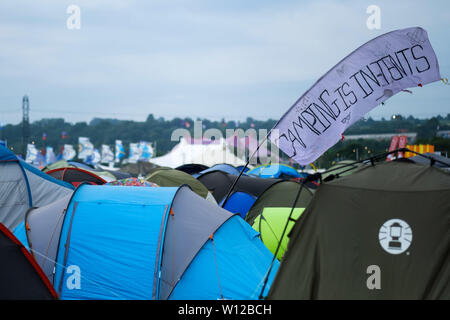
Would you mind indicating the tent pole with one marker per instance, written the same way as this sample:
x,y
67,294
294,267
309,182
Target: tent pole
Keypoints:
x,y
242,171
281,238
383,156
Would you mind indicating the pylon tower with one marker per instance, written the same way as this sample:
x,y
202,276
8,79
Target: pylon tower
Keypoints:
x,y
25,124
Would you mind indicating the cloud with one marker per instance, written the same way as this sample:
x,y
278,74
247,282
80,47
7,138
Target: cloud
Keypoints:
x,y
182,57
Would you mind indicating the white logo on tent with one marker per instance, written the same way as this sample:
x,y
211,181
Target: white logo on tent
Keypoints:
x,y
395,236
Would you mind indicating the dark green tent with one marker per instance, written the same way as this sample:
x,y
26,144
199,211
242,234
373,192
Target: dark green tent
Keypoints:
x,y
139,168
192,168
165,177
279,195
341,169
379,233
219,184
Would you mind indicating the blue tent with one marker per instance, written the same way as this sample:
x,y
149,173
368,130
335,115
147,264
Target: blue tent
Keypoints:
x,y
223,167
279,170
23,186
239,202
244,193
242,167
149,243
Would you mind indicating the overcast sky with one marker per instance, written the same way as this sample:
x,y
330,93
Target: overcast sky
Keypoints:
x,y
196,58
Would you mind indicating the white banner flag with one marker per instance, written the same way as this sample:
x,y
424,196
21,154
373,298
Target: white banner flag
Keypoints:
x,y
364,79
69,152
86,148
32,154
107,154
135,153
120,151
146,151
94,158
50,156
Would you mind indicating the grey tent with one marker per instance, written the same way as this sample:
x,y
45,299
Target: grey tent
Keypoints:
x,y
379,233
146,243
23,186
43,227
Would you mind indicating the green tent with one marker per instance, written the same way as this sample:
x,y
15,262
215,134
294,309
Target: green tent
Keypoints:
x,y
138,169
270,225
106,175
166,177
379,233
56,165
341,169
281,194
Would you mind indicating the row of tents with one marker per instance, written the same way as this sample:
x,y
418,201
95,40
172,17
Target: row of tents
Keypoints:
x,y
279,233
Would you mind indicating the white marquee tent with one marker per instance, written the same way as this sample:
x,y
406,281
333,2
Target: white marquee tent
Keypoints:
x,y
209,154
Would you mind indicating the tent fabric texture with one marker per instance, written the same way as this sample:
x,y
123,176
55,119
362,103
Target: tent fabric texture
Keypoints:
x,y
244,194
105,175
276,170
167,177
246,168
65,164
280,195
139,168
132,182
110,172
192,168
130,243
310,184
442,162
21,278
341,169
23,186
81,165
76,176
119,174
379,233
40,231
219,183
108,175
56,165
271,223
224,167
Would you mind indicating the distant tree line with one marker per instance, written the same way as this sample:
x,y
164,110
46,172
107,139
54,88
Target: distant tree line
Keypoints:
x,y
57,132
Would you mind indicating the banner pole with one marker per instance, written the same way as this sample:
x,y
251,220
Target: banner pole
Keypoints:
x,y
281,238
243,169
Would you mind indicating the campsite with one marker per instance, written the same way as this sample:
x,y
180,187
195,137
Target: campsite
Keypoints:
x,y
202,160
